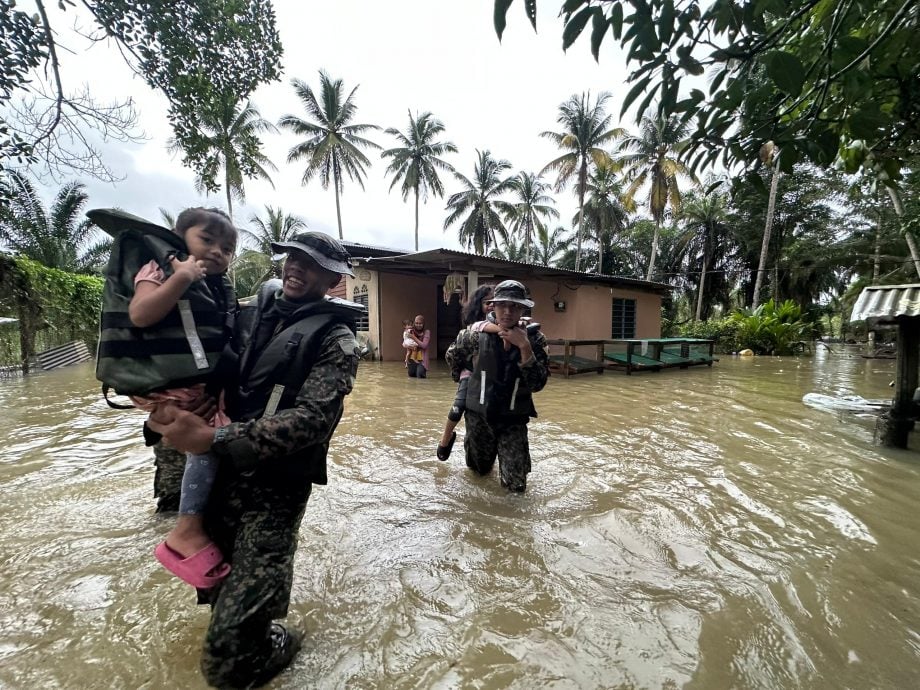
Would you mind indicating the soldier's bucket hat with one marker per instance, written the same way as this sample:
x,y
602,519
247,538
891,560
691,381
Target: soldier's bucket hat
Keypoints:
x,y
323,249
512,291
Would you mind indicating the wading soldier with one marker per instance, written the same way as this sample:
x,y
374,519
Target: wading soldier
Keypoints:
x,y
507,367
298,363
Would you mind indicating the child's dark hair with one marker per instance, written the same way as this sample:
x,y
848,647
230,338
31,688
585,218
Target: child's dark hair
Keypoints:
x,y
472,310
213,219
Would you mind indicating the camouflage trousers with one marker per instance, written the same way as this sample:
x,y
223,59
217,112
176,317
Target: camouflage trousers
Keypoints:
x,y
256,526
506,441
167,481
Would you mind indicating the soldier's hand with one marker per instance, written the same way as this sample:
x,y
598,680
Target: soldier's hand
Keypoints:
x,y
183,430
517,336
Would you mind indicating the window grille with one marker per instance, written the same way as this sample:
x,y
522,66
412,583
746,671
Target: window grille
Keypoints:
x,y
623,321
360,296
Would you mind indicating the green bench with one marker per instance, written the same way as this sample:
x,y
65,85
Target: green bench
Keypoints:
x,y
633,362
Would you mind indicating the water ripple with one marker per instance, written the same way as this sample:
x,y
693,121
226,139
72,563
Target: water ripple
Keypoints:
x,y
696,529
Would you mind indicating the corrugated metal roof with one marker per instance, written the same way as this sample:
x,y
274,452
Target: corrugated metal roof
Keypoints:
x,y
448,260
885,303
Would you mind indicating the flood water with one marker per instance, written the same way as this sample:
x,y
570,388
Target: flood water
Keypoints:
x,y
698,529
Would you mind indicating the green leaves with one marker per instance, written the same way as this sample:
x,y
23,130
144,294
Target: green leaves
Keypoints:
x,y
598,31
500,14
785,70
865,123
809,74
574,26
242,51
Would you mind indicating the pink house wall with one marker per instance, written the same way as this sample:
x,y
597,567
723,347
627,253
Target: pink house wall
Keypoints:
x,y
587,314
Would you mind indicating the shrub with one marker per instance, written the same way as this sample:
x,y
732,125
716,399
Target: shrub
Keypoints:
x,y
770,329
52,308
722,331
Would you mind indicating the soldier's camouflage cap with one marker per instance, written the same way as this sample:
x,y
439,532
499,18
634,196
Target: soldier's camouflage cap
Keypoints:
x,y
511,291
323,249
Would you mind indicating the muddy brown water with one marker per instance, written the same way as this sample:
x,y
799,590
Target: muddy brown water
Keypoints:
x,y
698,529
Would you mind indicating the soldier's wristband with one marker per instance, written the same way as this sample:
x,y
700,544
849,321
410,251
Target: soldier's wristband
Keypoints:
x,y
239,451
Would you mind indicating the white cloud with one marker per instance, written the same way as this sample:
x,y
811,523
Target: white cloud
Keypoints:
x,y
437,55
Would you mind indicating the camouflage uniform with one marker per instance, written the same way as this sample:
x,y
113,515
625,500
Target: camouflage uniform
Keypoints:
x,y
500,434
256,508
167,481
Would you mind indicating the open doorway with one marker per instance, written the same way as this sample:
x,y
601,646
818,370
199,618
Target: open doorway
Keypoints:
x,y
449,320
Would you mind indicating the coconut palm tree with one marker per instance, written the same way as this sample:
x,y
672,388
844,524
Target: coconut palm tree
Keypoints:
x,y
332,147
510,249
416,161
769,155
477,204
606,210
277,226
550,245
586,128
58,237
229,134
706,233
529,210
249,269
654,157
168,218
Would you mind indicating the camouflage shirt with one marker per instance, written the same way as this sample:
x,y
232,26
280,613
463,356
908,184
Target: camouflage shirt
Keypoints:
x,y
318,405
533,373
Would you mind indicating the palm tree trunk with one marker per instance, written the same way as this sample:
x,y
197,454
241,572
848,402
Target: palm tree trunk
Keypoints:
x,y
582,177
600,252
877,258
911,244
765,245
416,218
227,190
338,209
529,228
654,253
699,297
581,222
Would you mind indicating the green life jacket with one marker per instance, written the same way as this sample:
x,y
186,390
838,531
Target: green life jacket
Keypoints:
x,y
277,361
494,389
187,345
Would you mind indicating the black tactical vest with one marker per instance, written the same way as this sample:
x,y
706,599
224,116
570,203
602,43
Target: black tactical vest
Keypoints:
x,y
495,388
278,358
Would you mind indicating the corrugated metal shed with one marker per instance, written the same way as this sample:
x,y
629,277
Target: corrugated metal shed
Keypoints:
x,y
885,303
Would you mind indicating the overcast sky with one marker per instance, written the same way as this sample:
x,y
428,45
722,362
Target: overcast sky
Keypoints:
x,y
425,55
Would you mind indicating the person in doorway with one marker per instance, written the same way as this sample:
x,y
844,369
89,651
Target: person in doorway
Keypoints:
x,y
474,314
418,355
178,315
508,367
298,363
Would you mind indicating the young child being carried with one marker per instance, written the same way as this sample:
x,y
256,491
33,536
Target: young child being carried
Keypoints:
x,y
474,316
409,343
184,308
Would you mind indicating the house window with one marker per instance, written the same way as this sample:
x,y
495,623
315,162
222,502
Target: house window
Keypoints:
x,y
360,296
623,321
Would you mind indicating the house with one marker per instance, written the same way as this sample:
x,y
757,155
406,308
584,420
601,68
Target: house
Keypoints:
x,y
396,285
